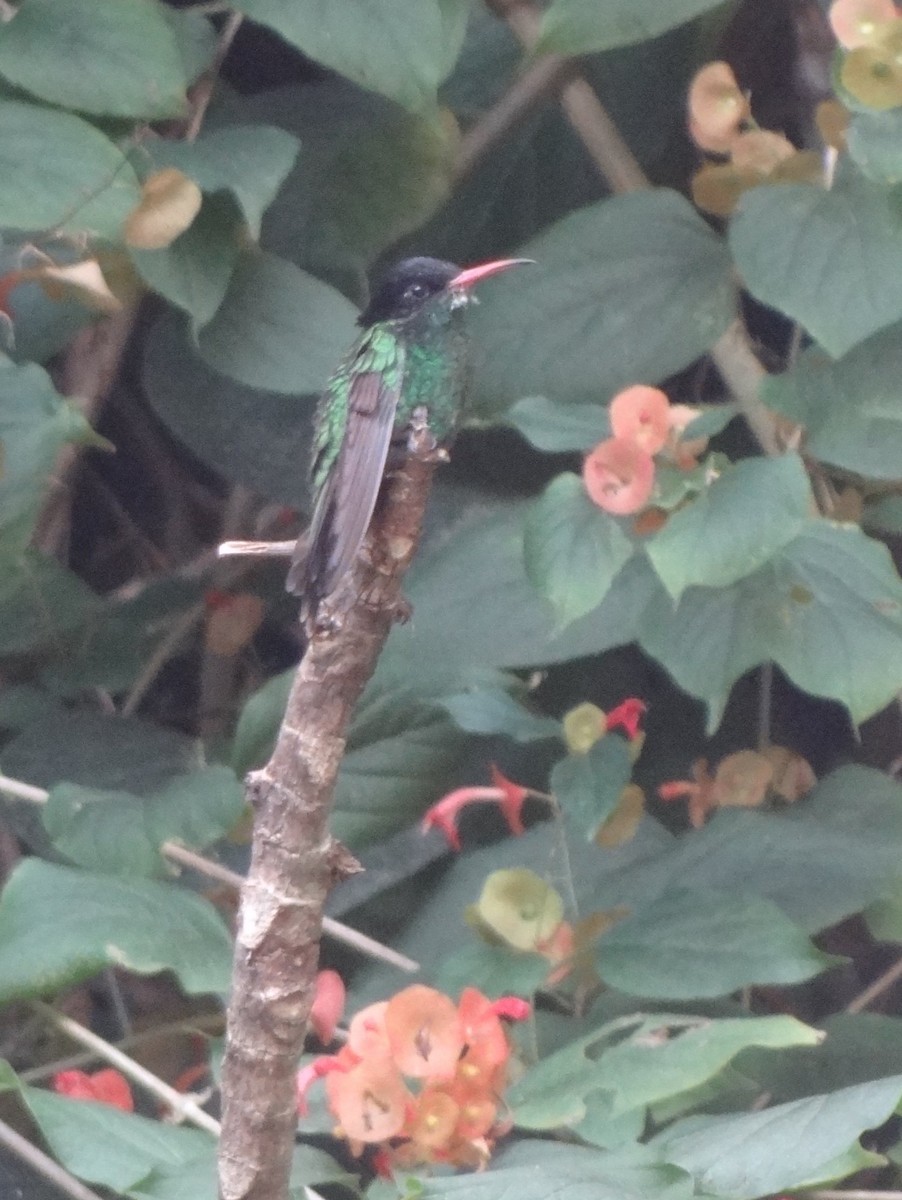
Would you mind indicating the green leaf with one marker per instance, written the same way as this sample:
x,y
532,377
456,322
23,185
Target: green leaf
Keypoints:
x,y
851,408
699,944
537,1170
639,1060
875,143
120,833
827,608
801,1144
386,46
754,509
193,271
495,970
572,549
116,58
583,26
558,427
588,786
106,1146
831,260
249,161
40,601
629,290
491,711
257,438
59,925
57,171
35,423
278,328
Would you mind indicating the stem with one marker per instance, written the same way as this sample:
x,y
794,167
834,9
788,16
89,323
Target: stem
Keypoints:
x,y
875,989
186,1108
43,1164
294,861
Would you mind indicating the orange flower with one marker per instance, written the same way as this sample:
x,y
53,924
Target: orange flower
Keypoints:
x,y
717,107
619,476
370,1100
424,1033
104,1087
641,414
860,22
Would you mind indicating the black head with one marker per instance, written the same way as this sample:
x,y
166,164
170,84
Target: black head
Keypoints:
x,y
406,287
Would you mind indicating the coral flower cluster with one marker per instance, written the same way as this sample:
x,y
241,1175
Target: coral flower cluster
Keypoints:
x,y
420,1078
619,473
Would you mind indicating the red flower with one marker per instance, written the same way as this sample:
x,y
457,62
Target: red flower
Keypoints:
x,y
509,796
104,1087
328,1005
619,476
626,716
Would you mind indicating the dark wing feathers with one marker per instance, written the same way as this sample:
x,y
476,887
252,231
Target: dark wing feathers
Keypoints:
x,y
345,505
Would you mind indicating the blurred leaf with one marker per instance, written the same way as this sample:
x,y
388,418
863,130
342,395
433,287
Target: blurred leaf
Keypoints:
x,y
883,514
384,45
60,925
558,427
35,423
691,944
588,786
249,161
195,38
572,550
278,328
796,1145
851,408
536,1170
831,260
875,143
58,172
627,291
491,711
583,26
713,543
104,1145
827,609
40,601
258,723
495,970
261,439
474,605
116,58
712,419
194,270
119,833
638,1061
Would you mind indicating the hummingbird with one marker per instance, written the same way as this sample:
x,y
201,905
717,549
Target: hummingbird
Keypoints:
x,y
409,363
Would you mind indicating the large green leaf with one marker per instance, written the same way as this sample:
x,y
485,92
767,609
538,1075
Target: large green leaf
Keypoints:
x,y
59,172
633,1062
387,46
40,601
831,260
278,328
116,58
35,423
699,944
197,1179
558,427
120,833
630,290
795,1145
753,510
875,143
539,1170
59,925
491,711
250,161
260,439
572,550
584,26
827,608
851,408
588,786
194,270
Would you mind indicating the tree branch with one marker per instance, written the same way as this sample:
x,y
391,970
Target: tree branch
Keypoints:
x,y
294,860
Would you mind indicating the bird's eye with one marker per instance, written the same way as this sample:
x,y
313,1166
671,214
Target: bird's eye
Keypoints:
x,y
416,291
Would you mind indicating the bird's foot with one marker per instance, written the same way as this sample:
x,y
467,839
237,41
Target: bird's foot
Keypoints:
x,y
421,442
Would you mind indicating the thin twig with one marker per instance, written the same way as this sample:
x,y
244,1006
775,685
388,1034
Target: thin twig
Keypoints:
x,y
164,650
239,549
864,999
43,1164
177,853
203,90
183,1106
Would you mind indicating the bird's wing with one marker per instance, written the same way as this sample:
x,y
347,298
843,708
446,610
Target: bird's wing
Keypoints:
x,y
349,491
